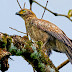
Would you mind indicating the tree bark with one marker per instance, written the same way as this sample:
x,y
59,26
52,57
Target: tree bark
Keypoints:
x,y
22,46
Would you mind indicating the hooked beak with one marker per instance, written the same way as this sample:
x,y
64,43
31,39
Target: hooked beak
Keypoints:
x,y
17,13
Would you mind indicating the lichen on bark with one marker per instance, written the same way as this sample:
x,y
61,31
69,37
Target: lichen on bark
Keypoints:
x,y
22,46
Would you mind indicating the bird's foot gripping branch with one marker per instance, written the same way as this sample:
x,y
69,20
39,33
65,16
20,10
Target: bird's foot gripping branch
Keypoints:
x,y
22,46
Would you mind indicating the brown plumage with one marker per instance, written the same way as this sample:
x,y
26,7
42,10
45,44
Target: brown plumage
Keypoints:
x,y
47,32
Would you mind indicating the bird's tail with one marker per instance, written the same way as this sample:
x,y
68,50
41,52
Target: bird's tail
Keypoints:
x,y
69,53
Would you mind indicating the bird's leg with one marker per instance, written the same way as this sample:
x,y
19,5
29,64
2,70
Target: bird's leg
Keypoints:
x,y
47,47
49,51
43,46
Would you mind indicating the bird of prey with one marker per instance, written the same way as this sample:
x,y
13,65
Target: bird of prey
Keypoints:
x,y
41,30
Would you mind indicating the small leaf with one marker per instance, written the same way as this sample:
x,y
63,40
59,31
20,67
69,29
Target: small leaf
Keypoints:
x,y
70,13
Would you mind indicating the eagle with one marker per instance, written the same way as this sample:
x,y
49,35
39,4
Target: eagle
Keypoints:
x,y
53,37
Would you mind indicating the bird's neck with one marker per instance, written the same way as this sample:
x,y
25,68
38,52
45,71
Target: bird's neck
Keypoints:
x,y
29,18
28,23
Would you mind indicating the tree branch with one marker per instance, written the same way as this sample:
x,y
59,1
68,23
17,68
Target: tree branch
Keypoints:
x,y
17,30
63,64
44,9
22,46
19,4
56,14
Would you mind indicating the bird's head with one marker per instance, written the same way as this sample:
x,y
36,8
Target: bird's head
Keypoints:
x,y
25,13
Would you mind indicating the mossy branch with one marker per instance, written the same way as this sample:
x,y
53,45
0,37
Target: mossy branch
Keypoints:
x,y
22,46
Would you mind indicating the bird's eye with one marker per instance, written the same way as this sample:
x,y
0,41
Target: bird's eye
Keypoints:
x,y
23,10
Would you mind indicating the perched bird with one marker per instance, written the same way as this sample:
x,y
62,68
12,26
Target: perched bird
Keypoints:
x,y
41,30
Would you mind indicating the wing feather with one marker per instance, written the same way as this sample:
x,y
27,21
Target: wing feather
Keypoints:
x,y
53,30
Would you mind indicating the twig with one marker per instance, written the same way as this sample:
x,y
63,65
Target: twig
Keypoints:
x,y
24,5
63,64
56,14
44,10
19,4
17,30
30,4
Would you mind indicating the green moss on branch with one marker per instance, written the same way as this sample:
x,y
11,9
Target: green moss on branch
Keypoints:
x,y
22,46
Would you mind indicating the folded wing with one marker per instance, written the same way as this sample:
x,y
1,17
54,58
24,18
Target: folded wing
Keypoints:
x,y
53,30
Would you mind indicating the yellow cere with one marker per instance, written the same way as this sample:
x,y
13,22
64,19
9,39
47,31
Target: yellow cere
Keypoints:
x,y
22,11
